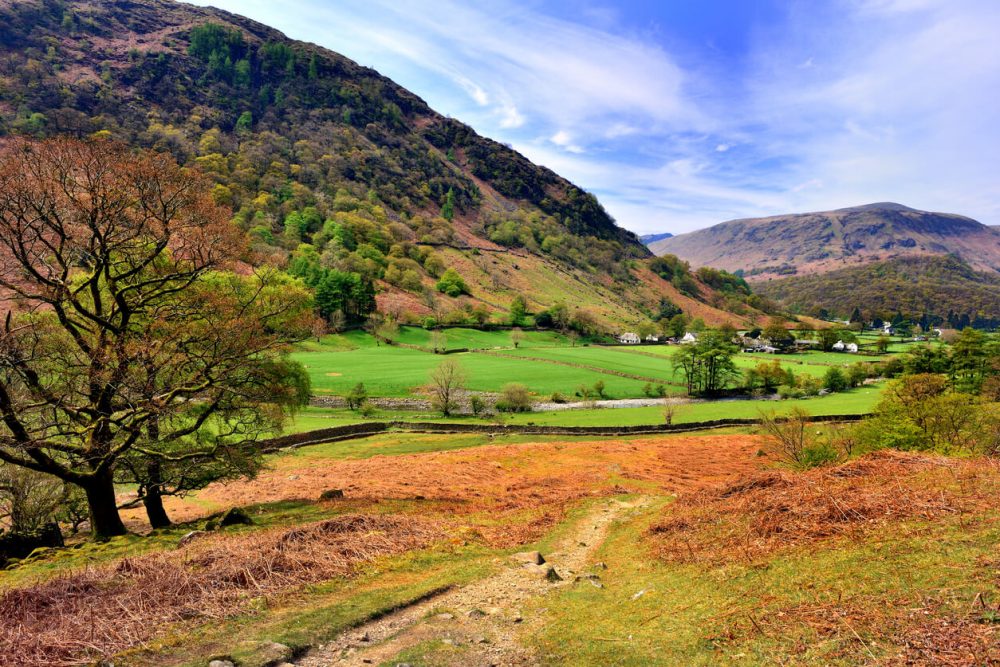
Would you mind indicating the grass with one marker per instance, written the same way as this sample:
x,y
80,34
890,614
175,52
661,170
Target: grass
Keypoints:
x,y
757,615
396,371
855,401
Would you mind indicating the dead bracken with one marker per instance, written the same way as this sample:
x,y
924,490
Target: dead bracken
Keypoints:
x,y
768,511
93,613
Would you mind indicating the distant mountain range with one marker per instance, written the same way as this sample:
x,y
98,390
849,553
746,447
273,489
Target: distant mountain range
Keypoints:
x,y
653,238
811,243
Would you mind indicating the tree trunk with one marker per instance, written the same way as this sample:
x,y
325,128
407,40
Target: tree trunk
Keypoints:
x,y
153,499
104,519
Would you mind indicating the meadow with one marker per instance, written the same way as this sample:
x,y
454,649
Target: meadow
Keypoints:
x,y
546,362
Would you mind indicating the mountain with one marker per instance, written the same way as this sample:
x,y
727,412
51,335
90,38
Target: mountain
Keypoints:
x,y
938,288
647,239
329,167
810,243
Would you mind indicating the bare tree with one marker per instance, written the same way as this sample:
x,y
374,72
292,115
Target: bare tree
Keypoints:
x,y
439,341
447,386
516,337
787,437
337,321
123,333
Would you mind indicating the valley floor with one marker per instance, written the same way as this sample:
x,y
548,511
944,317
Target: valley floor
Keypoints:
x,y
676,549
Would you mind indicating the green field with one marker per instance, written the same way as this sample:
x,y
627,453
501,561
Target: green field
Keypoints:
x,y
545,362
856,401
335,367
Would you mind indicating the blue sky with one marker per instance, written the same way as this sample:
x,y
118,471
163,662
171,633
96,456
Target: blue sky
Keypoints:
x,y
683,113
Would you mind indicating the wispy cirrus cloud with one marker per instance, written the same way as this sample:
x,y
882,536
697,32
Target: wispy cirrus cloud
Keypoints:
x,y
823,105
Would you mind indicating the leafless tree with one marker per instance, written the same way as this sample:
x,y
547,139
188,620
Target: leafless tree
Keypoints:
x,y
447,386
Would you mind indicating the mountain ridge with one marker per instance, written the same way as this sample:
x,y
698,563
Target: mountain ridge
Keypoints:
x,y
817,242
331,169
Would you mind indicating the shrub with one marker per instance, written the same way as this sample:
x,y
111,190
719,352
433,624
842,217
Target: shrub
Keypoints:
x,y
357,397
515,397
834,380
599,388
477,404
452,284
558,398
822,454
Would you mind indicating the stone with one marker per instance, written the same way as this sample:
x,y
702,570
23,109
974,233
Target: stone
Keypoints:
x,y
445,616
190,537
480,639
332,494
286,664
546,572
476,613
601,565
272,652
221,663
530,557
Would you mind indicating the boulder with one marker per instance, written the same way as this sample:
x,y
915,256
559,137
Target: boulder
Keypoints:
x,y
332,494
221,663
235,517
546,571
272,652
529,557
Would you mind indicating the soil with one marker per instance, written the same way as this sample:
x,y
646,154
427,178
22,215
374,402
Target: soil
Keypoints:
x,y
484,619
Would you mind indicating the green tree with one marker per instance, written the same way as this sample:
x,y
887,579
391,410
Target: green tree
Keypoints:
x,y
707,365
452,284
518,310
448,208
129,340
834,380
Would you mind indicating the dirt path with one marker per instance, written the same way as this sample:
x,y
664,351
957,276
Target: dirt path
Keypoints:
x,y
484,618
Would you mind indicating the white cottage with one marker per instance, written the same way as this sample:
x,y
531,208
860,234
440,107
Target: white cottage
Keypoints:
x,y
629,338
689,338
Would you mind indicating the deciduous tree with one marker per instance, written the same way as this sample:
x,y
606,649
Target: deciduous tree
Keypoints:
x,y
121,335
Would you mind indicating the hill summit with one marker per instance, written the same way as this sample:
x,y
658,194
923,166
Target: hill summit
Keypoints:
x,y
809,243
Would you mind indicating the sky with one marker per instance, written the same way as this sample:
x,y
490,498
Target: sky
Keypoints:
x,y
680,114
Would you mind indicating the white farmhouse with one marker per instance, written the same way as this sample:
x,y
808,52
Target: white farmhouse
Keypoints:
x,y
629,338
689,338
839,346
851,347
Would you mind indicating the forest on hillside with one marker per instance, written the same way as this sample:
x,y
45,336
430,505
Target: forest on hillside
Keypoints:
x,y
935,289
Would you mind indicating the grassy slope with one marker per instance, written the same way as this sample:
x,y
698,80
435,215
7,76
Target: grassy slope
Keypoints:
x,y
697,615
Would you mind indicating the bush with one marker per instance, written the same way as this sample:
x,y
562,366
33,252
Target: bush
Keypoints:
x,y
477,404
558,398
452,284
822,454
834,380
357,397
515,397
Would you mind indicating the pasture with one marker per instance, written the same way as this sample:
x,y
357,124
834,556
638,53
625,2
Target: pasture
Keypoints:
x,y
546,362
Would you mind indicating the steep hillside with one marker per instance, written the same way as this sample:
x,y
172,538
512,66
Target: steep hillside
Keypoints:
x,y
933,289
333,170
819,242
